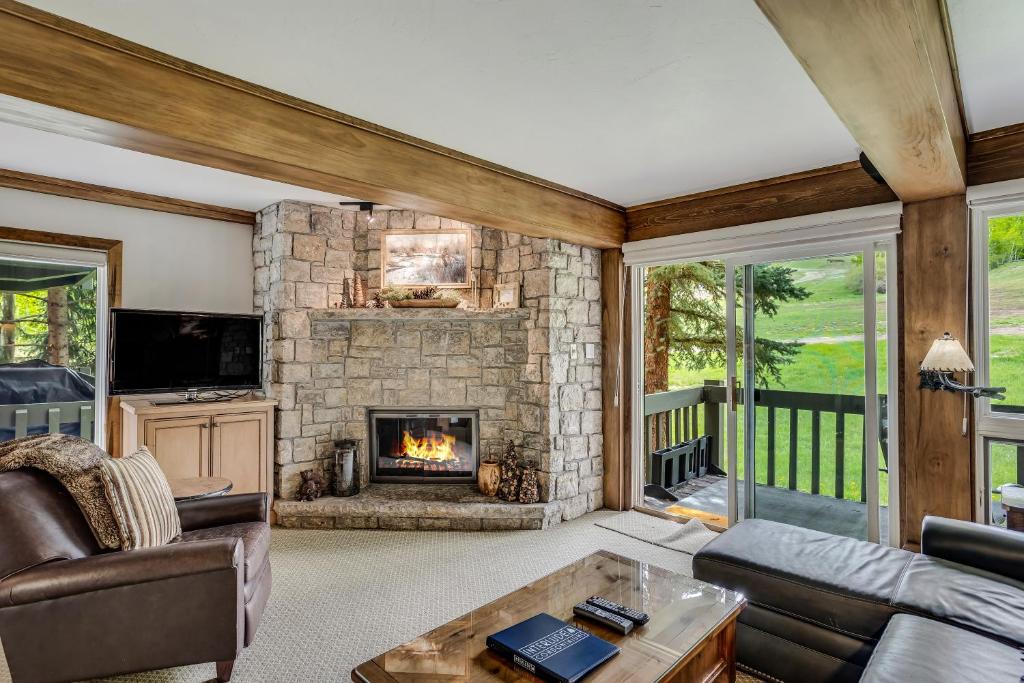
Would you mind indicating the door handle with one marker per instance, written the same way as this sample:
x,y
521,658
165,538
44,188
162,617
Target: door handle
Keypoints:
x,y
732,393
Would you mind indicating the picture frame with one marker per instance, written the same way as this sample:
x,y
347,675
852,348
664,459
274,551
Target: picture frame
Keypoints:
x,y
423,258
506,295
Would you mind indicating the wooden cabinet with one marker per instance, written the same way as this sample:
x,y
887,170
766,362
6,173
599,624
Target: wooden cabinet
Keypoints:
x,y
180,444
231,439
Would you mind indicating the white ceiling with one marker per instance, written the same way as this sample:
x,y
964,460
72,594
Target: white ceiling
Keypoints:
x,y
629,100
33,151
987,35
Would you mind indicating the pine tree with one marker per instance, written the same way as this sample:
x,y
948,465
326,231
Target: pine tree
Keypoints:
x,y
686,319
34,333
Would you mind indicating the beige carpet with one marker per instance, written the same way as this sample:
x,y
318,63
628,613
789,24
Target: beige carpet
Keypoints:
x,y
342,597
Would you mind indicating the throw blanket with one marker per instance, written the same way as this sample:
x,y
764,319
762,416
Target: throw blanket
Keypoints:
x,y
74,462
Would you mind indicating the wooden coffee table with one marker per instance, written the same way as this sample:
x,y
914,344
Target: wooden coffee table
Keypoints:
x,y
690,637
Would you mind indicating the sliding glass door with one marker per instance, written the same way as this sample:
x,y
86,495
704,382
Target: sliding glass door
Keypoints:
x,y
809,400
766,373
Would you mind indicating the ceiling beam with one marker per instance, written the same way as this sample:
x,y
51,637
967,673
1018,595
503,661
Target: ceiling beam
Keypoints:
x,y
995,155
884,67
17,180
843,186
68,78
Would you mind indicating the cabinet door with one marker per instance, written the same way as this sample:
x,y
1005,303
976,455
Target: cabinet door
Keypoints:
x,y
181,445
238,450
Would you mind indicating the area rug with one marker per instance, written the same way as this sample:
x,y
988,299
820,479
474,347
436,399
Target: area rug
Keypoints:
x,y
685,538
341,597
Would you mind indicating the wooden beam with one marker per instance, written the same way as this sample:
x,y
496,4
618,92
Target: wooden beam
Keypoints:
x,y
831,188
995,155
68,78
935,456
108,195
884,67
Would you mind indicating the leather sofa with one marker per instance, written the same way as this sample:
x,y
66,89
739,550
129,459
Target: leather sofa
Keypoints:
x,y
70,610
829,608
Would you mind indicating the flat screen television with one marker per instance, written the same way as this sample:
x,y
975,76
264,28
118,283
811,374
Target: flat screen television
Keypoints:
x,y
155,352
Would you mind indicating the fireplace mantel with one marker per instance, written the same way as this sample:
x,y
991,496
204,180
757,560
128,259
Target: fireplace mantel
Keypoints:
x,y
421,314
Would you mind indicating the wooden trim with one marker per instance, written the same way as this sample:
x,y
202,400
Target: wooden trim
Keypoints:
x,y
832,188
885,69
996,155
59,187
115,252
68,78
613,363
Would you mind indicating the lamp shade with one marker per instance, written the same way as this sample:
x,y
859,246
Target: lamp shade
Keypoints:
x,y
947,355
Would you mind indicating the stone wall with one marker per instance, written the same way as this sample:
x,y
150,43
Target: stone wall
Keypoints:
x,y
534,373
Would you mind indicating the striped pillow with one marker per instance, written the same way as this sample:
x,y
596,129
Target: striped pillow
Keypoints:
x,y
141,500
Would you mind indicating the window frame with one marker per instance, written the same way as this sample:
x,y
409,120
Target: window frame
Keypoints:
x,y
990,425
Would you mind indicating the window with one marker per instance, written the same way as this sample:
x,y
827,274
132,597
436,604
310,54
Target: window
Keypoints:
x,y
53,315
998,310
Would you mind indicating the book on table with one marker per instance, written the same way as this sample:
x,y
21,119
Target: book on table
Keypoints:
x,y
552,649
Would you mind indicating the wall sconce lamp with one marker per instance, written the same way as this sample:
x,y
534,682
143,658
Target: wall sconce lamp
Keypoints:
x,y
947,356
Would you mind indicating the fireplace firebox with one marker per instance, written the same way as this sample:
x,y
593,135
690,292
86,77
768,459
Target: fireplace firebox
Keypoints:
x,y
423,446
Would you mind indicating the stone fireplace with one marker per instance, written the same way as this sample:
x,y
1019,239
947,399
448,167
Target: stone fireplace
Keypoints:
x,y
530,375
423,446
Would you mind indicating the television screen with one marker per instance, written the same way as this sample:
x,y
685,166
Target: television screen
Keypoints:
x,y
164,351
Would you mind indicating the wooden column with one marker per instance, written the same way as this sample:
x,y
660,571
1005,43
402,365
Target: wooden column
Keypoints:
x,y
615,361
935,457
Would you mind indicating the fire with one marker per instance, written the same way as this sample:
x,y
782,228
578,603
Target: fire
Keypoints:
x,y
436,447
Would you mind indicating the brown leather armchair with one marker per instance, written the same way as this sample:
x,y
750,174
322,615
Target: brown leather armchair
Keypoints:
x,y
70,610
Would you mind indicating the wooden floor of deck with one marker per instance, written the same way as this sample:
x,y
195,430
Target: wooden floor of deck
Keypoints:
x,y
706,498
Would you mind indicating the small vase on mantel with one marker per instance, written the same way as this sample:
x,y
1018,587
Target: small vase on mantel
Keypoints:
x,y
488,477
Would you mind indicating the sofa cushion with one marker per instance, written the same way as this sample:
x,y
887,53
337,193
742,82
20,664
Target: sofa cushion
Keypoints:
x,y
838,583
963,596
141,499
255,536
918,649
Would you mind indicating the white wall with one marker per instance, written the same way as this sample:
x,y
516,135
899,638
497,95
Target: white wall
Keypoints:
x,y
170,262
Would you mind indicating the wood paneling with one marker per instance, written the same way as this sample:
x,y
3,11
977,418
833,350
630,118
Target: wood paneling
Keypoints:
x,y
884,68
843,186
613,363
109,195
68,78
995,155
935,457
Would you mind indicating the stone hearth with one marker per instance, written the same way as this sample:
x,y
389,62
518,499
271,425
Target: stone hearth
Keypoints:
x,y
416,506
533,373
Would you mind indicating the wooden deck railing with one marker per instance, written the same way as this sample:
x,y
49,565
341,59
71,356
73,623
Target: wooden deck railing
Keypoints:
x,y
674,416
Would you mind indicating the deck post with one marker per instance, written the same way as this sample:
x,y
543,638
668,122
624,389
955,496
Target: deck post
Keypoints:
x,y
713,423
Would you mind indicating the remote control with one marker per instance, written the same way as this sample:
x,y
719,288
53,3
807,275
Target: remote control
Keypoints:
x,y
637,617
612,621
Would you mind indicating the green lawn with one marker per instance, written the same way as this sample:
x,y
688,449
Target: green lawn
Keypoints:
x,y
834,310
1006,295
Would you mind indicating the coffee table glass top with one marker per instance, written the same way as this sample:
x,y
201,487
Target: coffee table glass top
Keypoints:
x,y
684,612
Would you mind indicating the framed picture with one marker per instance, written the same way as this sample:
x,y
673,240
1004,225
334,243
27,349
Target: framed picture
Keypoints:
x,y
506,295
417,258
